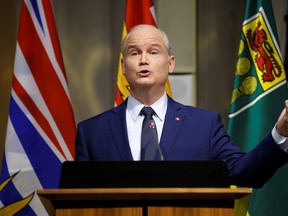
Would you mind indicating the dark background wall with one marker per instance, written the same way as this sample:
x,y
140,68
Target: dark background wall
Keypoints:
x,y
90,33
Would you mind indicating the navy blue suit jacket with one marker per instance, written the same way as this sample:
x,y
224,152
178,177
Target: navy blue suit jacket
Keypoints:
x,y
189,133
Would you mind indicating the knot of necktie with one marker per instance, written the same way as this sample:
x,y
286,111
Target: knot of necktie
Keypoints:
x,y
147,111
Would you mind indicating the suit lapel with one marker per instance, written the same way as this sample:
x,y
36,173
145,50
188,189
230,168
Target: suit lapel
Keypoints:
x,y
173,121
118,128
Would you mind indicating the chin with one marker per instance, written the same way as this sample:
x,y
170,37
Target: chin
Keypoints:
x,y
145,83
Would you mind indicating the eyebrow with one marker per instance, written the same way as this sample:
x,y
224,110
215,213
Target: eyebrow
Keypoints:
x,y
131,47
150,46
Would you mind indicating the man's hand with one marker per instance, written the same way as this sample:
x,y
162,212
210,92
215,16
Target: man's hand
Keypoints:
x,y
282,124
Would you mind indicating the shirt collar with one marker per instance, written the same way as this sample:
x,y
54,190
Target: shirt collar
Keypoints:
x,y
160,106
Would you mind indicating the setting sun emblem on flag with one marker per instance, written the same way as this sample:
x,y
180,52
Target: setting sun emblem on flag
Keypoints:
x,y
41,127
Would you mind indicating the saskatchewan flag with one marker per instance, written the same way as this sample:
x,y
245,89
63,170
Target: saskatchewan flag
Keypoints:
x,y
259,92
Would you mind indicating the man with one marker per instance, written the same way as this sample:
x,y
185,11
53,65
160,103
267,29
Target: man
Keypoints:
x,y
184,132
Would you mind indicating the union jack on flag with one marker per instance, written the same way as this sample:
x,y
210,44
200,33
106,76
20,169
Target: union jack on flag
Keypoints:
x,y
41,126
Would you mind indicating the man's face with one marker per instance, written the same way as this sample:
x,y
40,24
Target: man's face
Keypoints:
x,y
146,62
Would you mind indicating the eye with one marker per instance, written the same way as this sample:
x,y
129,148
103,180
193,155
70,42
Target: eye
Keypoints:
x,y
154,52
134,53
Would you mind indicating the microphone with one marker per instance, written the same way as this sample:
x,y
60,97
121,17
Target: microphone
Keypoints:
x,y
152,125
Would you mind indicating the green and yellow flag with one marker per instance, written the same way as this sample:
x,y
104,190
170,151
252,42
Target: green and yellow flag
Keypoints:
x,y
259,92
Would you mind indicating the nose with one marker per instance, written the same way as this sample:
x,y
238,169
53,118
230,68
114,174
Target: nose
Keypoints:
x,y
143,59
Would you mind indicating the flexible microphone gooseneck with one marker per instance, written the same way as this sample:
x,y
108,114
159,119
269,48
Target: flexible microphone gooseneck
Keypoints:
x,y
152,125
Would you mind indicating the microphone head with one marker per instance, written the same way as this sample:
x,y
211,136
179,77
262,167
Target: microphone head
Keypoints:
x,y
152,124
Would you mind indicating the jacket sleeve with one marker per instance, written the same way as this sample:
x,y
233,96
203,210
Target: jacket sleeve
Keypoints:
x,y
81,151
251,169
256,167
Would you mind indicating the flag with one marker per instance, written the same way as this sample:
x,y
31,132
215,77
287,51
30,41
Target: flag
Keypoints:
x,y
136,12
41,127
258,96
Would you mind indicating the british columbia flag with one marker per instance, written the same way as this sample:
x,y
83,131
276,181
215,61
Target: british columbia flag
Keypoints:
x,y
41,127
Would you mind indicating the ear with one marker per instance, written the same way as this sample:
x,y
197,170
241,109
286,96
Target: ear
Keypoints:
x,y
122,66
171,63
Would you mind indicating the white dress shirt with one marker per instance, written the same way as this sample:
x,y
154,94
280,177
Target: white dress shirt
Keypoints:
x,y
280,140
134,121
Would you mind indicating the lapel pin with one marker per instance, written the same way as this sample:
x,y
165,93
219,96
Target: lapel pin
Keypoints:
x,y
177,119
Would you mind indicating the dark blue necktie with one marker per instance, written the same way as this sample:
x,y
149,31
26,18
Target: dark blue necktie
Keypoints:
x,y
149,138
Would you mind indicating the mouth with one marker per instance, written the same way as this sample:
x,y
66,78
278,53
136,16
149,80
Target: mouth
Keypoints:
x,y
144,72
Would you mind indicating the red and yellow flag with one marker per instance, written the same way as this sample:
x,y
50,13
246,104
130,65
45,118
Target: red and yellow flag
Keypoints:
x,y
137,12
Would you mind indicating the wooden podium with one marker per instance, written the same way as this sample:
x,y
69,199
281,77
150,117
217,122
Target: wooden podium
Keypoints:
x,y
142,201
